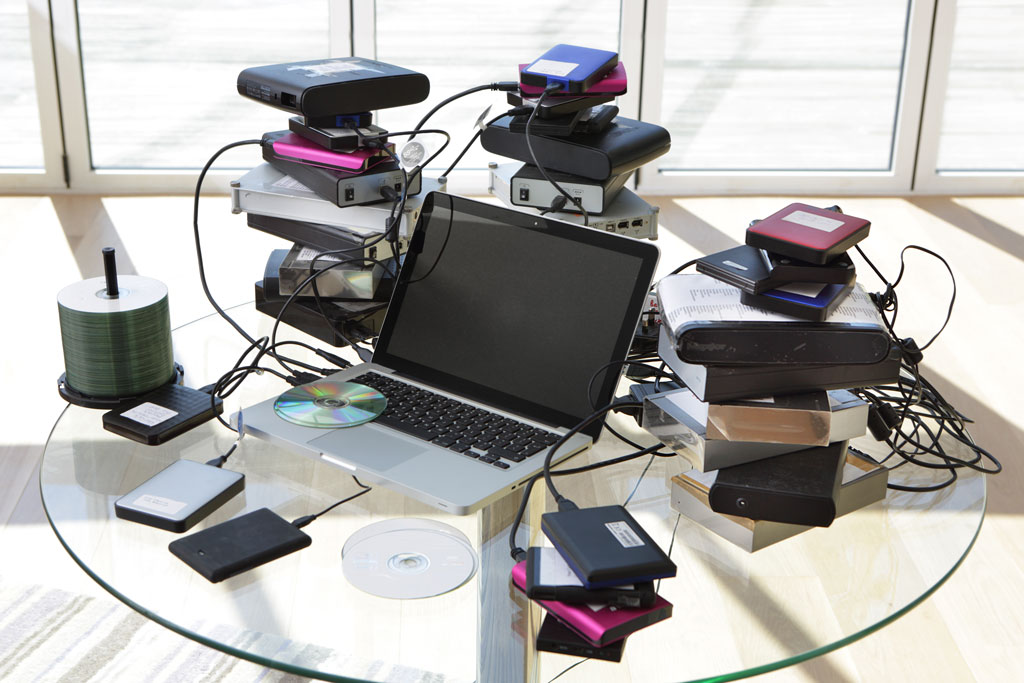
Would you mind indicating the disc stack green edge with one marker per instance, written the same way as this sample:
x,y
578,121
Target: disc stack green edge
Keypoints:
x,y
119,353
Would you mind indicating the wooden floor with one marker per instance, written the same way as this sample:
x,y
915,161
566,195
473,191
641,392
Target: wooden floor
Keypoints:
x,y
971,629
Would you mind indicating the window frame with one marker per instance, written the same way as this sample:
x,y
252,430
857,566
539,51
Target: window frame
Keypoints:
x,y
57,65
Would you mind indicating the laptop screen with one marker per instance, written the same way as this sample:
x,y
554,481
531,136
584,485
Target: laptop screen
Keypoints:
x,y
515,310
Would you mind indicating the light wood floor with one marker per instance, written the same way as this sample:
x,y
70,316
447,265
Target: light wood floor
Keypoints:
x,y
969,630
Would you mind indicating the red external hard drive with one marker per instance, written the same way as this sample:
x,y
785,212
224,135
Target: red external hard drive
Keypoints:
x,y
808,233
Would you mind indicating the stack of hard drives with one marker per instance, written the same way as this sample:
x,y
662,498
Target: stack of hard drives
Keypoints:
x,y
594,596
332,184
767,342
581,143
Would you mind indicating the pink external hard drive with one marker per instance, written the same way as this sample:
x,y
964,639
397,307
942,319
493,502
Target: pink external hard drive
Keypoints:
x,y
294,147
599,624
808,233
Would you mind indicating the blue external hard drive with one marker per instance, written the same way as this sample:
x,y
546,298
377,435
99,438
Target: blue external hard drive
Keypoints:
x,y
573,68
808,300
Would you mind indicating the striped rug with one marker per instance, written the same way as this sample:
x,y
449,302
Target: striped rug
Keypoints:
x,y
47,634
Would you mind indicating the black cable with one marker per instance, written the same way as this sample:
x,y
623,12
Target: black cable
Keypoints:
x,y
568,669
518,554
683,267
600,412
476,136
529,146
307,519
506,86
199,249
301,286
640,479
199,252
917,403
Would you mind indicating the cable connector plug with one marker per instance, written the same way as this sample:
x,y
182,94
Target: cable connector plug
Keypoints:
x,y
911,353
566,505
505,86
518,554
882,418
557,204
519,111
332,358
303,521
302,377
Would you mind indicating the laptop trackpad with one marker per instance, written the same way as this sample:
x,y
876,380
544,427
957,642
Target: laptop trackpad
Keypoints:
x,y
373,449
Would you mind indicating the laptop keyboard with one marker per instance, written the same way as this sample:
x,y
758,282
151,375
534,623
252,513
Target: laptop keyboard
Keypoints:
x,y
490,438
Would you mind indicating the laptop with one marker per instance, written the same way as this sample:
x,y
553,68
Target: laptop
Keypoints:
x,y
497,323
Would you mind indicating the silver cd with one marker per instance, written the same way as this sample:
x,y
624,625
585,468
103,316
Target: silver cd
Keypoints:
x,y
408,559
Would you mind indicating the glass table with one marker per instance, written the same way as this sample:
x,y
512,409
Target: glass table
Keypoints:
x,y
735,614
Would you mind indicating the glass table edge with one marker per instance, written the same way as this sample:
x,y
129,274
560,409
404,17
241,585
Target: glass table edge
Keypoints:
x,y
196,637
321,675
853,637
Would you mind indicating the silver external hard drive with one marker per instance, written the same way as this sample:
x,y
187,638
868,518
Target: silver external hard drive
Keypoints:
x,y
627,215
266,191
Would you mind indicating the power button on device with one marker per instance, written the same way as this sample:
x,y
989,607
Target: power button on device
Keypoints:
x,y
741,503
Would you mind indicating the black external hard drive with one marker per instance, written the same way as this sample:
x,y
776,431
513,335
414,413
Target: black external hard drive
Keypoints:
x,y
548,577
805,300
742,267
240,544
783,269
625,145
336,138
555,107
554,636
179,496
326,87
795,488
162,414
605,546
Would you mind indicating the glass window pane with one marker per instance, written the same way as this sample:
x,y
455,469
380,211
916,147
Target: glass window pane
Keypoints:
x,y
19,109
160,76
459,45
786,85
982,118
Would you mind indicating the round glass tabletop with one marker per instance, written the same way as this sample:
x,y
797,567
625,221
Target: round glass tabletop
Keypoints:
x,y
735,613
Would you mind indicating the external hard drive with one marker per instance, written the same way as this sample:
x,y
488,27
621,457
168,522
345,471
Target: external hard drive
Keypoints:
x,y
548,577
179,496
805,300
599,625
613,83
742,267
162,414
782,269
239,544
554,636
605,546
291,147
808,233
575,69
795,488
327,87
334,138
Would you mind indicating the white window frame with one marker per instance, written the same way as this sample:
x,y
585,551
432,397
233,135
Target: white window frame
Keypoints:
x,y
896,181
88,180
927,179
50,177
56,51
